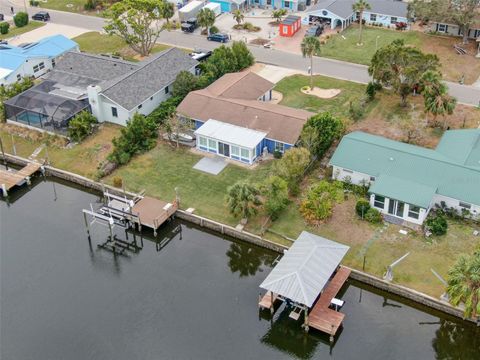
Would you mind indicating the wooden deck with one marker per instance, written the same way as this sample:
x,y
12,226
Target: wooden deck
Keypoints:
x,y
9,179
321,317
268,300
153,212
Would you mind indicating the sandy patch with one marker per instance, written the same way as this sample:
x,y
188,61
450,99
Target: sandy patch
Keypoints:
x,y
322,93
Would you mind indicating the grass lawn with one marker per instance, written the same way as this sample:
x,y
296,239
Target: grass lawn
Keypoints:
x,y
96,43
14,31
290,87
164,168
344,47
82,159
75,6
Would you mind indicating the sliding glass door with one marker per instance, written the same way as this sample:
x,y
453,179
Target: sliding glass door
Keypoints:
x,y
396,208
224,149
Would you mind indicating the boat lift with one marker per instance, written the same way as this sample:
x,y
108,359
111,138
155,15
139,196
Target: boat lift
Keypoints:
x,y
388,276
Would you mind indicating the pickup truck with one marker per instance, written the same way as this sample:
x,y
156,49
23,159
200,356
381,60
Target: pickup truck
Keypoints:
x,y
190,25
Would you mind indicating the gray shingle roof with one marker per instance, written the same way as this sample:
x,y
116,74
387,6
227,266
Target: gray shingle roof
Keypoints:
x,y
343,8
148,78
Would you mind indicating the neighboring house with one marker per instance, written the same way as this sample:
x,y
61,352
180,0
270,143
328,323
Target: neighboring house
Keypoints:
x,y
407,181
454,30
231,5
339,13
113,89
32,59
233,118
293,5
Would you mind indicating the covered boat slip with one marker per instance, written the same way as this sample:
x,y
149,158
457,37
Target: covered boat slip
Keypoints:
x,y
304,277
10,178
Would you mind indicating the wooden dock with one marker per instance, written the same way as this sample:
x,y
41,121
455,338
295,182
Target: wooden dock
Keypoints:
x,y
321,317
153,212
10,179
268,300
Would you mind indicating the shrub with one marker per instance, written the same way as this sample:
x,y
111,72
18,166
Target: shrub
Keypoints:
x,y
292,166
90,5
20,19
320,199
34,3
275,191
373,216
356,110
4,26
117,182
437,225
81,126
401,25
325,129
277,154
164,110
371,91
184,83
362,207
214,30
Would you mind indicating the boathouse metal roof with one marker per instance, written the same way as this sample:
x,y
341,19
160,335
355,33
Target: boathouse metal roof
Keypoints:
x,y
305,269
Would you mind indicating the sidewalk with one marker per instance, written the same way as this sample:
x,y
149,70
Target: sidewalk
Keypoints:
x,y
48,30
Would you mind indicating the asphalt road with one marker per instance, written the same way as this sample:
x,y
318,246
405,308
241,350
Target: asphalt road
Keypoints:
x,y
338,69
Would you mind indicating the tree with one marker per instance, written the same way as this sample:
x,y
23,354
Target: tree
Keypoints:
x,y
164,110
238,16
320,131
310,46
243,56
168,10
175,125
222,61
401,67
437,101
463,13
81,126
464,284
184,83
20,19
279,14
359,7
275,191
206,19
137,22
243,199
292,166
320,199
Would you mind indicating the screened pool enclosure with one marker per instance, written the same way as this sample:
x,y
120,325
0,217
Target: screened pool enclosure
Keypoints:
x,y
43,107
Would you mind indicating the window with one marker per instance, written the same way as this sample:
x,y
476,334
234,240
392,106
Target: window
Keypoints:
x,y
348,171
151,98
212,144
245,153
235,150
140,106
203,142
36,68
167,90
413,212
286,4
393,20
19,77
372,178
464,205
379,202
442,28
41,65
53,62
373,17
280,147
114,112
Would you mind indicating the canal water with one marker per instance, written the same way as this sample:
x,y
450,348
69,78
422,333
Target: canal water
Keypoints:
x,y
193,295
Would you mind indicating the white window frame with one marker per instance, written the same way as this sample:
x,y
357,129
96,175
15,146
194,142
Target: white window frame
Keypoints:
x,y
279,146
114,112
444,26
464,205
202,141
248,153
393,22
235,151
375,201
412,210
212,147
373,17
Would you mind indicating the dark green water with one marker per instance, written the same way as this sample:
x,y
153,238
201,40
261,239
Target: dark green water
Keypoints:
x,y
196,298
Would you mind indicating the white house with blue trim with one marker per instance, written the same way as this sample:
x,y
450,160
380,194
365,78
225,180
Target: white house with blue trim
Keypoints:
x,y
234,118
339,14
293,5
230,5
32,59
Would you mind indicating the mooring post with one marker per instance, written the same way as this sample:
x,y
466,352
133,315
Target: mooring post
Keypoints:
x,y
28,180
331,335
4,190
110,221
14,148
86,225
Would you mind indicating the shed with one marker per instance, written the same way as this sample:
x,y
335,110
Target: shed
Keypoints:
x,y
190,10
290,25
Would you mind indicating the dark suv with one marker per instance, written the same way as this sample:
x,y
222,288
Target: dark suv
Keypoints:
x,y
190,25
314,31
41,16
223,38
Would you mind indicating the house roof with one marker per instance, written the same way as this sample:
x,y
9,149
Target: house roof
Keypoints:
x,y
302,273
279,122
462,146
343,8
438,169
150,76
231,133
241,85
12,57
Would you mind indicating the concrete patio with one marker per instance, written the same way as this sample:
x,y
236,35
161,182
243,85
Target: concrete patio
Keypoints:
x,y
213,166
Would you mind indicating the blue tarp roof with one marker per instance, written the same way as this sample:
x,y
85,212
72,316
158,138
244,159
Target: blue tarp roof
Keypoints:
x,y
14,56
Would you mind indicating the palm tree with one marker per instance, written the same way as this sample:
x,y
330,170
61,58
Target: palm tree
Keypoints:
x,y
206,19
168,10
279,14
238,16
440,103
360,6
464,283
242,199
310,46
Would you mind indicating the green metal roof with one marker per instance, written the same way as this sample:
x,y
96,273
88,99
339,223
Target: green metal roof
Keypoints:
x,y
438,169
404,190
462,146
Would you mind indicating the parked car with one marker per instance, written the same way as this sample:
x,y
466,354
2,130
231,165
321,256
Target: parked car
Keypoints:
x,y
200,55
223,38
190,25
314,31
41,16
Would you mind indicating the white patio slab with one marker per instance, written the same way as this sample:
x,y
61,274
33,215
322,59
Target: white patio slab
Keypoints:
x,y
211,165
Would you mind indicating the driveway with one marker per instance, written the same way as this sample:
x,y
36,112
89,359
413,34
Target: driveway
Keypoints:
x,y
47,30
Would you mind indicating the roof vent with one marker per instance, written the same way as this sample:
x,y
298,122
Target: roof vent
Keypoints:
x,y
391,159
114,64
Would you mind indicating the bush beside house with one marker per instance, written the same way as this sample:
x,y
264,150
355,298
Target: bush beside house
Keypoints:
x,y
20,19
